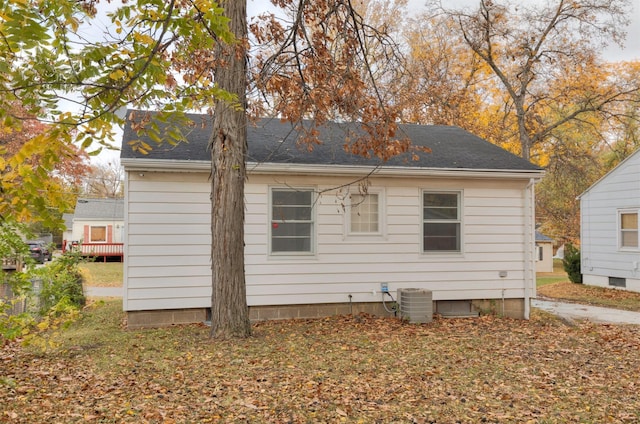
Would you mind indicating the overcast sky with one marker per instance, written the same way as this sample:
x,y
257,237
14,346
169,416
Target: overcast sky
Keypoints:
x,y
631,50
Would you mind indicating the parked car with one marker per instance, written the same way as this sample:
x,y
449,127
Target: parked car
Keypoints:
x,y
40,252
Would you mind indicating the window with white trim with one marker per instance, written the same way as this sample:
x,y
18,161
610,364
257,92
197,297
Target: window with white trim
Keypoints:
x,y
628,229
292,225
98,234
441,228
365,213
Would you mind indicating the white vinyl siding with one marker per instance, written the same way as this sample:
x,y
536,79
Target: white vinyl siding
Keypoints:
x,y
168,241
114,229
168,251
607,249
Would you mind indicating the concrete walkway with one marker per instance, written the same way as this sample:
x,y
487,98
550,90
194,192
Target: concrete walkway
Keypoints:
x,y
103,291
586,312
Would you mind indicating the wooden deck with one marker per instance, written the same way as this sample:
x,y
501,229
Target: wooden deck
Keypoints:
x,y
104,250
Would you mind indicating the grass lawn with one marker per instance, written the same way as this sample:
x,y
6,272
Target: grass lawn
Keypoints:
x,y
102,274
340,369
558,274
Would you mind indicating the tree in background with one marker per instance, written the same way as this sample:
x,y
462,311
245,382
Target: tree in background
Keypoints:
x,y
530,78
572,166
104,180
545,60
36,181
176,56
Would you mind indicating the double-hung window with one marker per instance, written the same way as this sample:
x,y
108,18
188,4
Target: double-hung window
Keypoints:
x,y
292,225
628,229
441,227
365,213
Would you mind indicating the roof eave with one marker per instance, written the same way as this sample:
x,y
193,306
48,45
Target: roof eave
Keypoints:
x,y
335,170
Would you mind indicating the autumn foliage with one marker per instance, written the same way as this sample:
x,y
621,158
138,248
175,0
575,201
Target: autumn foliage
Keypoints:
x,y
36,176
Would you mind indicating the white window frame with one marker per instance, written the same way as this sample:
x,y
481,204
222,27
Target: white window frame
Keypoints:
x,y
620,230
381,216
313,221
458,220
106,236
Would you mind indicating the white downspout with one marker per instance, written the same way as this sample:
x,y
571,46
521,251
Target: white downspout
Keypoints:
x,y
529,241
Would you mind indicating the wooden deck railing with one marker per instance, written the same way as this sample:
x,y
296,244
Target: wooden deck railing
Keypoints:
x,y
102,249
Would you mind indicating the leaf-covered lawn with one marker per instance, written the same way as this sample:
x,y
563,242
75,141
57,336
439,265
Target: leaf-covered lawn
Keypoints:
x,y
341,369
601,296
102,274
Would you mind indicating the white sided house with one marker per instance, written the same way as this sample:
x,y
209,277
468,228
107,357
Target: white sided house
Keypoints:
x,y
609,237
544,253
458,222
97,227
98,221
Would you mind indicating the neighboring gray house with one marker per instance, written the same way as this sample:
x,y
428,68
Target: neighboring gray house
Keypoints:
x,y
609,237
459,221
98,226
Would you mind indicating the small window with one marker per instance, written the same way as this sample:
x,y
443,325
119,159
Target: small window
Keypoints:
x,y
291,221
365,213
540,252
441,222
98,235
629,229
617,282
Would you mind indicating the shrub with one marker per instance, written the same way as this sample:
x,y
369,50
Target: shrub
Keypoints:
x,y
59,299
571,263
61,282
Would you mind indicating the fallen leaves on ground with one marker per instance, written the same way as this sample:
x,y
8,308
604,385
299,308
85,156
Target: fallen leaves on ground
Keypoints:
x,y
581,293
341,369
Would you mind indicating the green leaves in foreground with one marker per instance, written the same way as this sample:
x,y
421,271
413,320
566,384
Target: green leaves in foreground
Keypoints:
x,y
72,69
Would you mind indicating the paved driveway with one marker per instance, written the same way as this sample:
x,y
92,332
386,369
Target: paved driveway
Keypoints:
x,y
586,312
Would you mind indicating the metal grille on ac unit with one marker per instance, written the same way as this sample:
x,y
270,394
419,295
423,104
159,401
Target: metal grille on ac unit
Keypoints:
x,y
416,305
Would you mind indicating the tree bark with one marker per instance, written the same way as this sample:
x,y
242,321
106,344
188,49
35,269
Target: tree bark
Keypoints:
x,y
229,311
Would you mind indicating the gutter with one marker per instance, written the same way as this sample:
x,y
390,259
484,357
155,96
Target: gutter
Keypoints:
x,y
529,240
254,168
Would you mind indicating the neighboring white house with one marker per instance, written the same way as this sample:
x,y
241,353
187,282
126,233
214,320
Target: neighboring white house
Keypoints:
x,y
609,240
67,234
97,221
544,253
459,221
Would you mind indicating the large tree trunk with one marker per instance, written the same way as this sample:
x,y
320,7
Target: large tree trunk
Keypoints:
x,y
229,311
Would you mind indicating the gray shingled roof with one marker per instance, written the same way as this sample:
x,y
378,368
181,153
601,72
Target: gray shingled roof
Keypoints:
x,y
273,141
68,220
542,237
106,209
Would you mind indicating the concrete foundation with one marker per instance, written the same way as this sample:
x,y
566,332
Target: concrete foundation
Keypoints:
x,y
512,308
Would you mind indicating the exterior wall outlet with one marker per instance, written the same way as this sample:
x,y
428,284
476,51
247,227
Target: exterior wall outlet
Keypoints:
x,y
384,287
